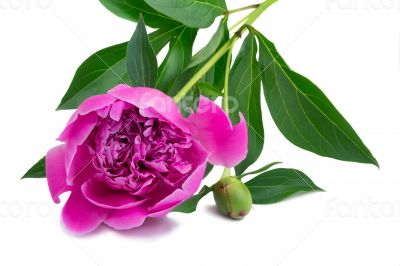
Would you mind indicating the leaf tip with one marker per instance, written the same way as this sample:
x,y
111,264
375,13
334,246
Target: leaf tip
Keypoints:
x,y
376,163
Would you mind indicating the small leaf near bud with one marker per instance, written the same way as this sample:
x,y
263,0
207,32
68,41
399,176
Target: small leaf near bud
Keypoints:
x,y
232,197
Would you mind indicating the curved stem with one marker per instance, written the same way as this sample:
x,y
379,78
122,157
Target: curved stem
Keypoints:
x,y
242,9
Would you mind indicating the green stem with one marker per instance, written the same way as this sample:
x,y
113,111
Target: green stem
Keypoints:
x,y
239,22
226,47
259,10
250,18
242,9
226,173
226,82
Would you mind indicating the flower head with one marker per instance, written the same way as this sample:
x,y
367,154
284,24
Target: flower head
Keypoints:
x,y
129,154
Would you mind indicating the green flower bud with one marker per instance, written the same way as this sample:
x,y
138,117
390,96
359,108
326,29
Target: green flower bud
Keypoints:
x,y
232,197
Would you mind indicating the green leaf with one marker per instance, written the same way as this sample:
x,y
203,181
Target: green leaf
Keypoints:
x,y
141,58
161,37
178,57
106,68
192,13
181,80
245,88
278,184
303,114
262,169
190,205
37,171
99,73
207,51
208,89
131,10
208,170
214,76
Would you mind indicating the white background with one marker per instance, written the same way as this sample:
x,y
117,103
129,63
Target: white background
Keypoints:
x,y
350,48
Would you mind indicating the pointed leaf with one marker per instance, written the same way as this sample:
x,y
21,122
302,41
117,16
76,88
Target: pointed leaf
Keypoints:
x,y
131,10
161,37
141,59
209,168
262,169
244,87
190,205
303,114
192,13
178,57
278,184
106,68
100,72
207,51
216,75
37,171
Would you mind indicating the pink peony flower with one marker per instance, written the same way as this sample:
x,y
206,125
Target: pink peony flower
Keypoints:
x,y
129,154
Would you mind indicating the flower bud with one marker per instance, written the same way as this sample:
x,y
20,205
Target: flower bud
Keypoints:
x,y
232,197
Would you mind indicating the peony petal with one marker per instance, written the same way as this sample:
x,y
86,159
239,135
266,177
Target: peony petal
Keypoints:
x,y
116,110
76,134
227,144
80,216
81,168
82,123
55,171
188,188
127,218
78,130
91,104
104,112
95,103
144,98
100,194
